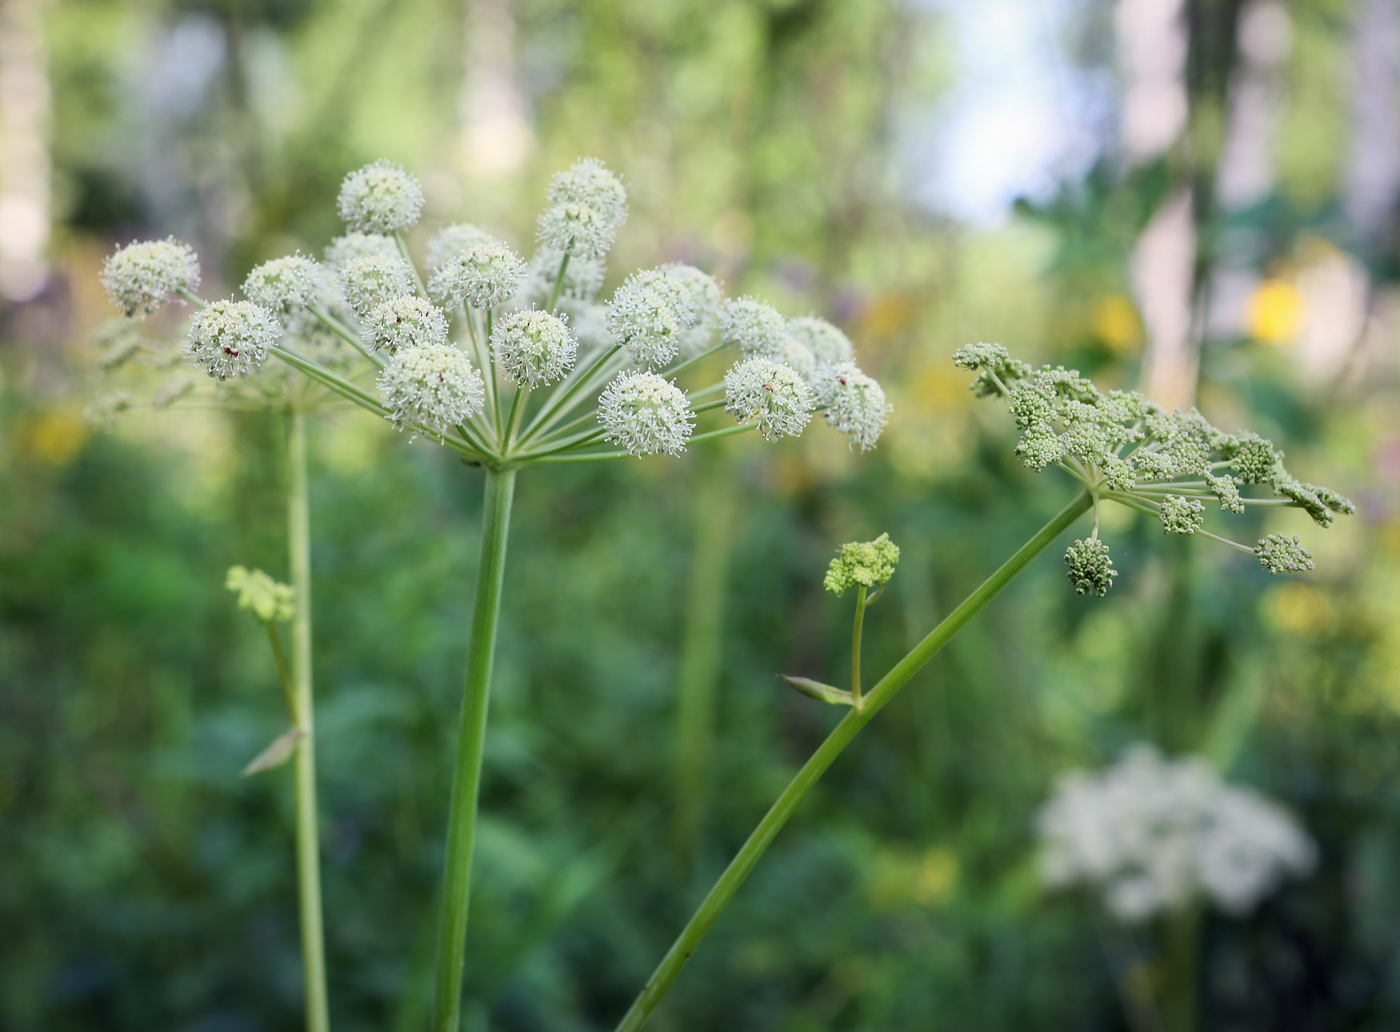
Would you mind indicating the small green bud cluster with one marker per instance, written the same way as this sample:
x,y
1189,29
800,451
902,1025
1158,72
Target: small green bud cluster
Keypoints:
x,y
140,276
1181,515
283,285
231,338
867,564
267,599
1279,553
587,205
1126,449
773,395
1090,569
534,348
404,322
482,274
645,414
380,198
431,386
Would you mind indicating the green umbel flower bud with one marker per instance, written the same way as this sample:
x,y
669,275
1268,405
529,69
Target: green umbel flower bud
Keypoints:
x,y
1090,569
534,348
645,414
1225,488
828,345
1255,461
994,363
343,250
380,198
1181,515
589,182
139,277
754,328
267,599
483,274
1279,553
864,563
1040,446
450,241
231,338
855,404
649,314
283,285
433,386
774,396
370,281
404,322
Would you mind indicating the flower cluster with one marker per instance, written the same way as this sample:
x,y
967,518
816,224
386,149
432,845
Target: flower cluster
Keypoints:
x,y
1128,450
645,414
1150,835
523,327
866,564
267,599
141,276
587,204
380,198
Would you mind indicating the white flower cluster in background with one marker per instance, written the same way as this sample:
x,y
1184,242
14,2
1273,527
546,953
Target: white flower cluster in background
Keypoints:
x,y
1150,835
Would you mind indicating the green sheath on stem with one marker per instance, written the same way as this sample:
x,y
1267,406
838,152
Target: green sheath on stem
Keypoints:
x,y
466,778
826,754
313,948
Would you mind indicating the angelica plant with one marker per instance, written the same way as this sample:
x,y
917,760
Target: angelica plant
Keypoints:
x,y
509,364
1118,447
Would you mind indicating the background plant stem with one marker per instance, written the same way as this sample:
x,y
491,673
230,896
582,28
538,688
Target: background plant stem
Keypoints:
x,y
466,779
855,719
700,654
313,948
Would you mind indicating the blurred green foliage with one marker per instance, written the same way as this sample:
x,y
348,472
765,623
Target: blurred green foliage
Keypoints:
x,y
143,884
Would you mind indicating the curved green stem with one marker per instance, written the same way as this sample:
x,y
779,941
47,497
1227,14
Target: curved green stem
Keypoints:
x,y
466,778
855,645
855,719
313,947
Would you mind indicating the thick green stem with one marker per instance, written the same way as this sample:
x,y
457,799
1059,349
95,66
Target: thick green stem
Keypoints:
x,y
855,644
313,947
855,719
466,779
558,283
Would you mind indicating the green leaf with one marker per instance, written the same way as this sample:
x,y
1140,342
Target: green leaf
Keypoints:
x,y
276,754
820,692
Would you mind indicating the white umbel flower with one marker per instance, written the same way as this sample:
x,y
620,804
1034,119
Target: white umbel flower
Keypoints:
x,y
341,251
706,296
799,358
588,182
140,276
754,328
451,240
380,198
283,285
1151,835
483,274
582,279
582,231
433,387
855,404
231,338
534,347
648,315
774,396
370,281
645,414
828,345
404,322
